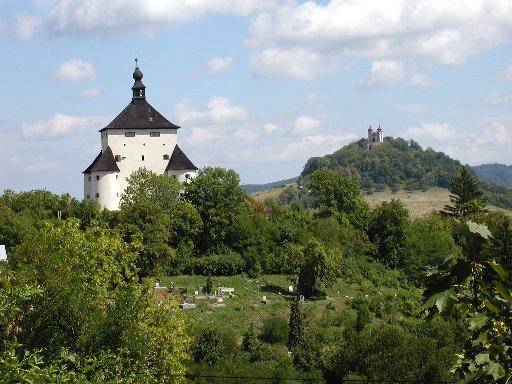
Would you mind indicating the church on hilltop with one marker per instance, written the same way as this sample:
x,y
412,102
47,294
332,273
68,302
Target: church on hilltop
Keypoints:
x,y
375,138
139,137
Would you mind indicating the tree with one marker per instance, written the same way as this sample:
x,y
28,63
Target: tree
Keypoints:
x,y
295,326
363,317
146,228
218,197
333,194
147,187
185,223
387,230
473,288
209,346
91,309
311,266
465,195
428,241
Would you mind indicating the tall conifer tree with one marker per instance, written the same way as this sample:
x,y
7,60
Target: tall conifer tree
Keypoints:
x,y
296,326
465,195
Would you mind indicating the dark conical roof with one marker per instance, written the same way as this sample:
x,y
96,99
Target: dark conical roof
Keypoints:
x,y
179,161
105,161
139,114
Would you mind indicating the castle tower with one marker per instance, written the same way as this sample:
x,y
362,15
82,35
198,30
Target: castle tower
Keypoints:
x,y
375,138
139,137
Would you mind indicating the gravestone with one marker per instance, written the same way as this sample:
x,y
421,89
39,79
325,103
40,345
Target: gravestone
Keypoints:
x,y
3,253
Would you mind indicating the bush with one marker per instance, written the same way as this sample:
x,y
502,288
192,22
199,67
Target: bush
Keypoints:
x,y
227,264
209,346
274,330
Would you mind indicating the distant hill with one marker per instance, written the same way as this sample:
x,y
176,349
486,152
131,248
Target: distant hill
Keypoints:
x,y
396,164
500,174
251,188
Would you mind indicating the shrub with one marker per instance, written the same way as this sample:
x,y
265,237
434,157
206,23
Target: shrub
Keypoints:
x,y
274,330
208,346
227,264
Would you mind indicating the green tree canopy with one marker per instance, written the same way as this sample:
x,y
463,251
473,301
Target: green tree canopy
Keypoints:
x,y
217,196
387,230
465,195
147,187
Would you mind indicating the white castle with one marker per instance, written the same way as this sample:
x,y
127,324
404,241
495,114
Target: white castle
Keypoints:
x,y
139,137
375,138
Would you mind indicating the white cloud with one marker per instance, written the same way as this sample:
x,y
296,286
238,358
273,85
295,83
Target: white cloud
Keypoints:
x,y
90,93
305,124
220,64
75,70
445,31
393,72
25,26
218,111
496,133
60,126
312,145
432,131
106,17
297,63
269,128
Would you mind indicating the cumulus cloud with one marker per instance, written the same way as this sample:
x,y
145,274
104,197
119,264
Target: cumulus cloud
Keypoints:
x,y
219,110
393,72
305,124
298,63
311,145
269,128
438,30
220,64
75,70
432,131
105,17
472,145
26,25
60,126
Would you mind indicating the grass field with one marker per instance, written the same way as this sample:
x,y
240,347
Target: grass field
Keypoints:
x,y
246,306
418,203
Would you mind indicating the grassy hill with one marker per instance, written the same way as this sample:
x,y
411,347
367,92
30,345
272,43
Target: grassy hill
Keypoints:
x,y
418,203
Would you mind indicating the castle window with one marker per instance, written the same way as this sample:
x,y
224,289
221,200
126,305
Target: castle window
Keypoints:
x,y
154,134
166,157
88,196
118,158
142,157
97,195
129,134
89,178
117,194
187,176
97,177
117,177
173,176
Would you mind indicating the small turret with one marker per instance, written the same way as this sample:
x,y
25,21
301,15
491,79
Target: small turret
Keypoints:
x,y
138,89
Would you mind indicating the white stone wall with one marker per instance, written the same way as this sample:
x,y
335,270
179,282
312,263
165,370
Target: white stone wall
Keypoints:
x,y
181,175
131,150
104,188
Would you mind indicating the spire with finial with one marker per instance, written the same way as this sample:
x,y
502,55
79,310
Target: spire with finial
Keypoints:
x,y
138,89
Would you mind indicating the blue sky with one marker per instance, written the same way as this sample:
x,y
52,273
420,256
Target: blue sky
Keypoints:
x,y
257,85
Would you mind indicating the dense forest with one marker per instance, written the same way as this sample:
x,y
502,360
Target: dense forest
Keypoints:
x,y
499,174
376,295
398,163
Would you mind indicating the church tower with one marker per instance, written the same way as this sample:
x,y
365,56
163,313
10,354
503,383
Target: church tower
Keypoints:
x,y
139,137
